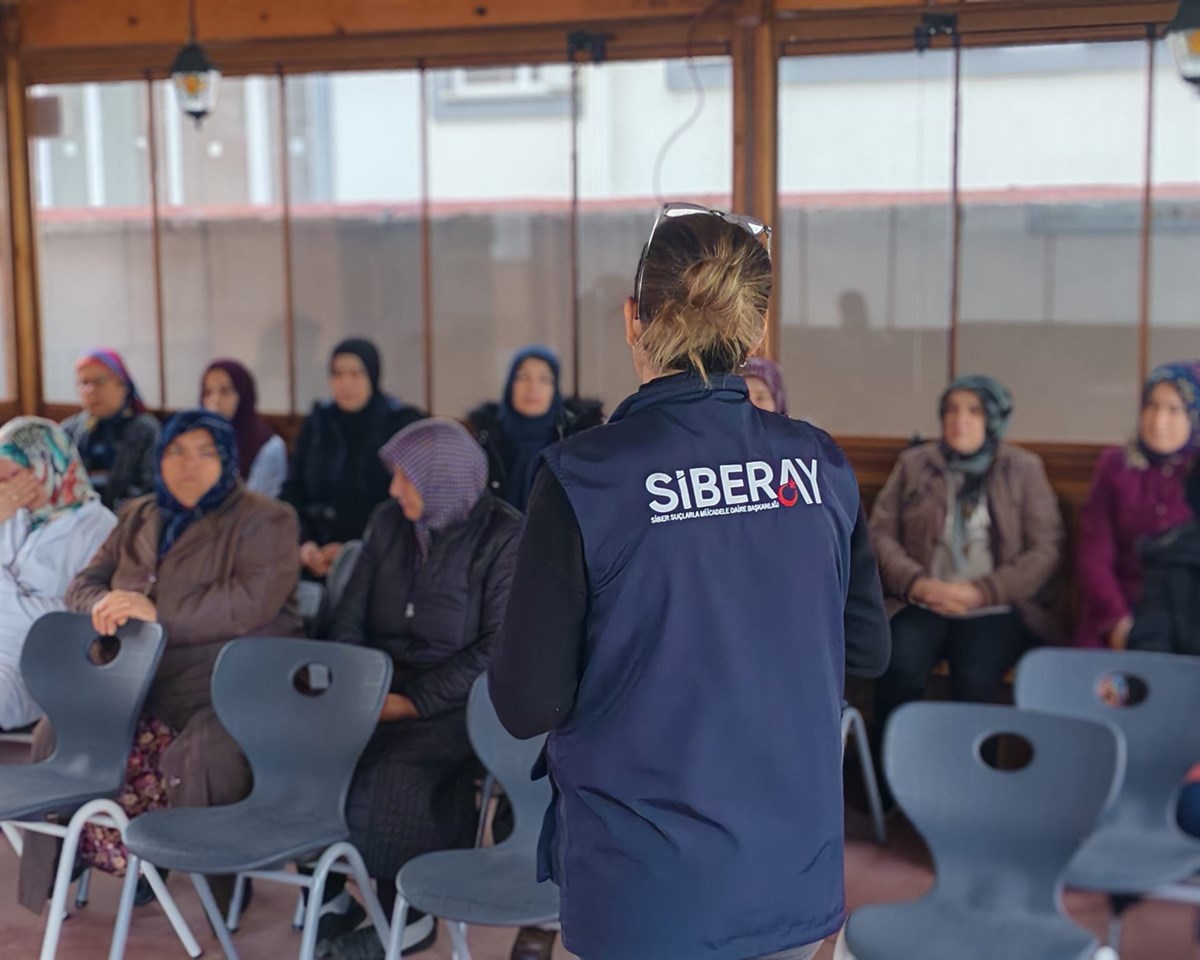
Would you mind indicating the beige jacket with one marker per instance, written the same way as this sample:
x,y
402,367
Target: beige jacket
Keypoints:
x,y
909,518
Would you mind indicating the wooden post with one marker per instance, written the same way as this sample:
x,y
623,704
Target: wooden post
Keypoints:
x,y
1145,249
955,215
756,131
156,246
285,199
24,237
426,247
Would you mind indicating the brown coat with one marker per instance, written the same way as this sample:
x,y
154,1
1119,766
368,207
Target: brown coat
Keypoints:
x,y
231,574
909,518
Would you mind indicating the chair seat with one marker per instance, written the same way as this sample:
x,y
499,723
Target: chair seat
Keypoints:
x,y
46,788
1123,859
493,886
937,929
242,836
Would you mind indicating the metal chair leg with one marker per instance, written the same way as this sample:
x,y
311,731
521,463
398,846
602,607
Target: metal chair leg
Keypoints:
x,y
298,913
204,892
235,904
82,887
458,939
862,745
62,878
316,891
124,908
393,946
485,800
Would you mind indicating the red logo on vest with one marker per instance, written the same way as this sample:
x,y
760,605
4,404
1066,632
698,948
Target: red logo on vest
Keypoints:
x,y
795,494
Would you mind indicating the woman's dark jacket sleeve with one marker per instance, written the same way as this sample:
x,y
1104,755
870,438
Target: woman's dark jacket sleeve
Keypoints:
x,y
293,491
447,685
868,632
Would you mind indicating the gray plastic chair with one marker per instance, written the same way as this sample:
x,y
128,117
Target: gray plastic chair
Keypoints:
x,y
94,709
313,603
302,748
1000,839
1139,848
494,886
341,570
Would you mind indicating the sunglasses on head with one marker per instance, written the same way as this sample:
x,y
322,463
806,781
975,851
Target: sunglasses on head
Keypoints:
x,y
670,211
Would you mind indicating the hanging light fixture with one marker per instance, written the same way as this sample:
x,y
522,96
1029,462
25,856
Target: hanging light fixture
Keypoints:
x,y
1183,37
195,77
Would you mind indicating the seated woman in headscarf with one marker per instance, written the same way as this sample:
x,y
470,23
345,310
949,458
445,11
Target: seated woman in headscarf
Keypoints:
x,y
765,381
228,388
210,561
968,534
530,416
335,479
1137,493
429,589
51,524
114,433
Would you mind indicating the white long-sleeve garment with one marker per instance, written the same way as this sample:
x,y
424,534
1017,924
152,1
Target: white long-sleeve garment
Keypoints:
x,y
36,567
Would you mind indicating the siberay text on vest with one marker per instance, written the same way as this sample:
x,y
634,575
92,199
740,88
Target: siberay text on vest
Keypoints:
x,y
731,488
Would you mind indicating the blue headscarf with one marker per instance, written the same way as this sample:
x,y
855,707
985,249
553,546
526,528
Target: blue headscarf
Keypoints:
x,y
524,438
1184,376
176,518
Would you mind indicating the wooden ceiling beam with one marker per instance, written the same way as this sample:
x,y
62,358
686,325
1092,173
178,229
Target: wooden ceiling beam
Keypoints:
x,y
802,21
88,24
495,46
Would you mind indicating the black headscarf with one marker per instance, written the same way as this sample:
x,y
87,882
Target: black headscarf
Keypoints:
x,y
524,438
366,351
355,424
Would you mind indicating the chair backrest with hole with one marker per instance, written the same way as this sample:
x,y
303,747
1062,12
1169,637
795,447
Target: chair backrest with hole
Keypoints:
x,y
302,711
510,761
1152,698
92,690
1000,838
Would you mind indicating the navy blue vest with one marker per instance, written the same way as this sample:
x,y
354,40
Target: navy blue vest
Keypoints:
x,y
698,784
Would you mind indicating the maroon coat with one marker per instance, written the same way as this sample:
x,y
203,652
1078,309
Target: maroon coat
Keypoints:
x,y
1131,500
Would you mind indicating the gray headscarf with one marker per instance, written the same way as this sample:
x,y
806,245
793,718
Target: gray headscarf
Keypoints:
x,y
973,468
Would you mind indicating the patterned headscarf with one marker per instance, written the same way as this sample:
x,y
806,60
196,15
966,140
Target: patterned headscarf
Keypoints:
x,y
1184,376
446,465
176,518
769,373
41,446
112,360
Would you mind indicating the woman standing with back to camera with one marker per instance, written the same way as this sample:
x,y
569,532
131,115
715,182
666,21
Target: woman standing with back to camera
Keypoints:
x,y
694,582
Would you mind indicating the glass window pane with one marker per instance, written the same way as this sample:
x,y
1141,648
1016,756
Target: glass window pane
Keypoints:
x,y
628,112
1175,241
863,250
1052,173
222,239
90,183
499,186
354,153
